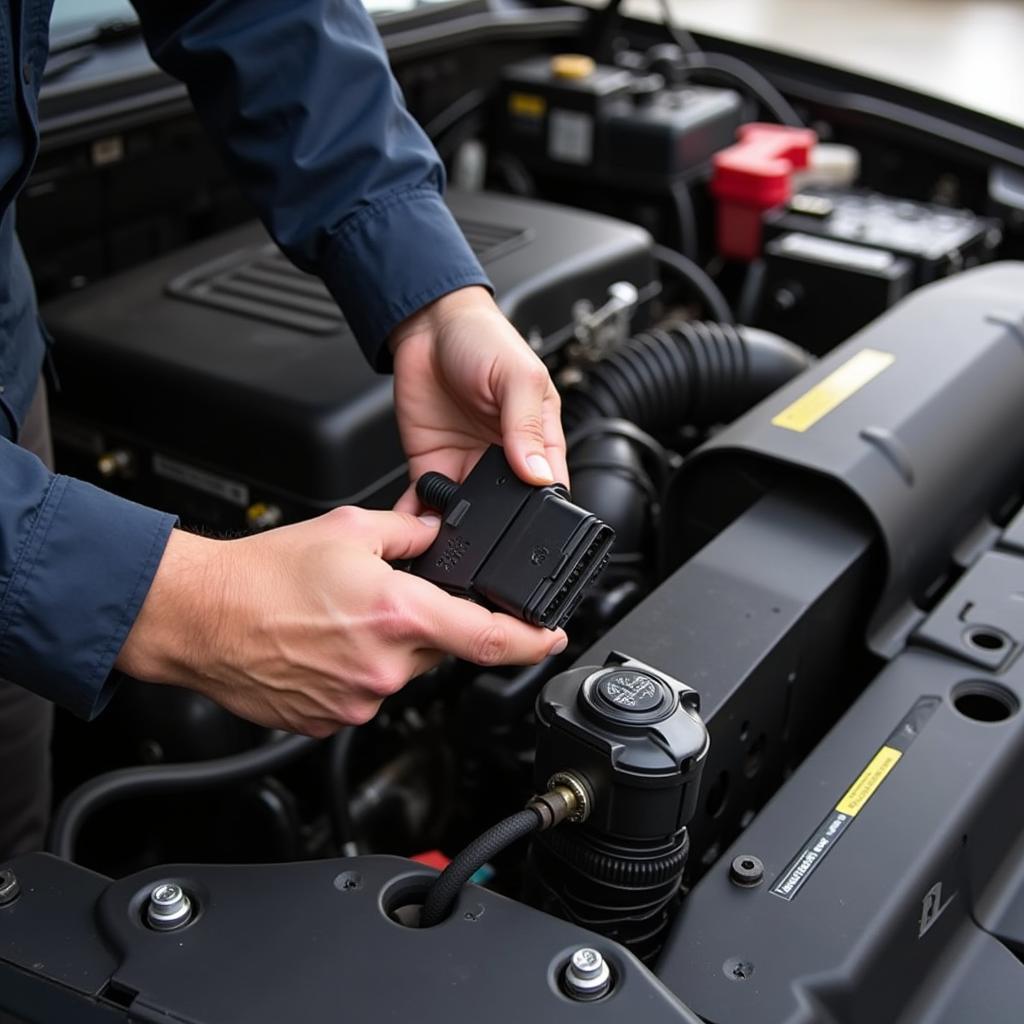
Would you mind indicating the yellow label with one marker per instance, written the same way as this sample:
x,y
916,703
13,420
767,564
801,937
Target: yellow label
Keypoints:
x,y
572,65
835,389
526,104
868,781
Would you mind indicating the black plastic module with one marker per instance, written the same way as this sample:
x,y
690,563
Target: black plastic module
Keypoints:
x,y
804,273
561,118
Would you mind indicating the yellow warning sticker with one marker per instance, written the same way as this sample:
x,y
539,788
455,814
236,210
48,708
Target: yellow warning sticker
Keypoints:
x,y
797,873
868,781
527,104
835,389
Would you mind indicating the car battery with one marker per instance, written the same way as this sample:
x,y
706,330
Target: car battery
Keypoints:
x,y
566,116
834,259
937,240
222,384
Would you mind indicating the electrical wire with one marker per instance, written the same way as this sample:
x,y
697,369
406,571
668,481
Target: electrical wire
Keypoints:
x,y
680,36
454,113
698,281
152,780
686,219
736,72
731,70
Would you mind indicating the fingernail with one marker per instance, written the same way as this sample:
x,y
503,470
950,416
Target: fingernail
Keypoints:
x,y
559,645
430,520
540,467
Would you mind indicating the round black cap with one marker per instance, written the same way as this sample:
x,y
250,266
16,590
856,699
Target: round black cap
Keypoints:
x,y
629,696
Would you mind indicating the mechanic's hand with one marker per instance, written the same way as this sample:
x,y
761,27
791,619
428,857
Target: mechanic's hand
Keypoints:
x,y
465,379
307,627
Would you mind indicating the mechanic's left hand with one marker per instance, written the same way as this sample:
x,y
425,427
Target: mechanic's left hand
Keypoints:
x,y
465,379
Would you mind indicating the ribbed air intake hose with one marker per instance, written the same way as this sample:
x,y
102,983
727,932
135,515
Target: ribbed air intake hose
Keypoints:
x,y
694,373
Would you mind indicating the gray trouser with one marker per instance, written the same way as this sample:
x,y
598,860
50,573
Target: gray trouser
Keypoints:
x,y
26,721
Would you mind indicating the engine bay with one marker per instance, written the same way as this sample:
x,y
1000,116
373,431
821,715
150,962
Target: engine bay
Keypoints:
x,y
788,335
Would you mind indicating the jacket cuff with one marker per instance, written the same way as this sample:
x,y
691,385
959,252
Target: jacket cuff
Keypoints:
x,y
392,258
78,586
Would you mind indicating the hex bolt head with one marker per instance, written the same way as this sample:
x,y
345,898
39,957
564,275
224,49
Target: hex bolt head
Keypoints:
x,y
746,870
169,907
9,887
587,976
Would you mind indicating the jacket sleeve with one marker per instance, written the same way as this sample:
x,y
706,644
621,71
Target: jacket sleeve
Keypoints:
x,y
301,99
75,566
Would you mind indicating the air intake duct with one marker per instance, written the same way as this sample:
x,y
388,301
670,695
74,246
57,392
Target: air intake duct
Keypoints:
x,y
694,373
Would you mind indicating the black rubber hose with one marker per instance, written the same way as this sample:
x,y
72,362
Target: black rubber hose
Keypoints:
x,y
697,280
152,780
446,888
686,221
338,792
697,374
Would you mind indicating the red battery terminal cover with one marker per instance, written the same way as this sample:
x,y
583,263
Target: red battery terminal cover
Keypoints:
x,y
753,176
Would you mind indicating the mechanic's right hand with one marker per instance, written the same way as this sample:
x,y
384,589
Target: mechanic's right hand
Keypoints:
x,y
307,628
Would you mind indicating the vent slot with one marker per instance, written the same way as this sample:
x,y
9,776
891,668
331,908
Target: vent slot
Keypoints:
x,y
260,282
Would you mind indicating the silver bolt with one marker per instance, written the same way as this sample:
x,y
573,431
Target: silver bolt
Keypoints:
x,y
168,908
587,975
9,888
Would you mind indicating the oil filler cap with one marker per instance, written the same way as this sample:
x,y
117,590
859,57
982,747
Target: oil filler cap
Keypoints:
x,y
629,696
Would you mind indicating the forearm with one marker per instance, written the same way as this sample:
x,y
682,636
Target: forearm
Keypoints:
x,y
75,566
183,618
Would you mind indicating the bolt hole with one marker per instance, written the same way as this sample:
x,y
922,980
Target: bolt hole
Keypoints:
x,y
754,760
748,865
717,795
986,639
982,701
744,732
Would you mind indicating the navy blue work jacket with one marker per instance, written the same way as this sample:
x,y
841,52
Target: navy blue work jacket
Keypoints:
x,y
299,95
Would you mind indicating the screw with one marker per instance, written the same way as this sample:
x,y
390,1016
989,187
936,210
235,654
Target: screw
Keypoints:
x,y
9,888
586,975
737,969
169,907
746,870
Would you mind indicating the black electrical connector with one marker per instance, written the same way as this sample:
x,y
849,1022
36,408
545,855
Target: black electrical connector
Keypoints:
x,y
526,550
